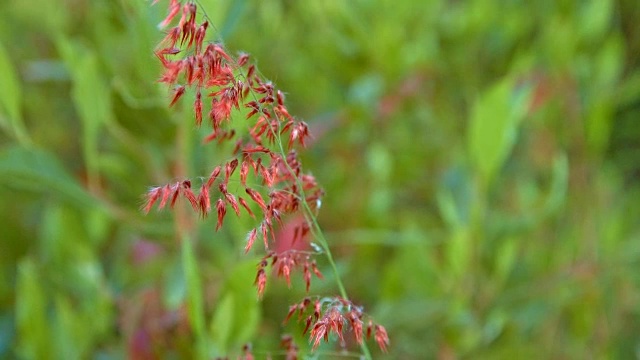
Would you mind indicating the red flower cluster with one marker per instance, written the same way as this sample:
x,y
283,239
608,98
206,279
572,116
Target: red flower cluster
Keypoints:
x,y
270,172
334,315
211,69
284,263
232,84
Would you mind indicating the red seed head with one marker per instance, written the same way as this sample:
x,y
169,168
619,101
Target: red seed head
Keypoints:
x,y
244,171
320,330
280,98
307,276
177,93
251,238
152,196
229,168
174,196
222,211
233,202
204,202
243,59
213,176
356,325
244,204
292,310
314,267
261,282
190,196
308,322
174,9
197,107
382,338
255,196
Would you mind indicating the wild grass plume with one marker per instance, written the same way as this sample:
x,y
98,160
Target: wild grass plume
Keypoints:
x,y
241,107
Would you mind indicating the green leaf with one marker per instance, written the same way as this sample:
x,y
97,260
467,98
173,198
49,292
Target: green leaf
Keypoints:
x,y
7,333
33,335
70,337
11,98
559,185
40,171
505,258
223,323
458,252
175,285
494,122
91,96
237,314
598,125
594,19
84,306
195,307
232,17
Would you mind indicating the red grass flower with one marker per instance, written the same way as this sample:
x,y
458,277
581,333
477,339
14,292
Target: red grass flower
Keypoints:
x,y
336,315
244,204
251,238
222,211
177,93
261,282
174,8
197,106
204,202
188,61
255,196
382,338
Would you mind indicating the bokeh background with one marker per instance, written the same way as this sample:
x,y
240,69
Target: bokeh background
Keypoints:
x,y
480,160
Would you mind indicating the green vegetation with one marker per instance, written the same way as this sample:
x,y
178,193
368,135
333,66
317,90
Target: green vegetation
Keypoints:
x,y
480,161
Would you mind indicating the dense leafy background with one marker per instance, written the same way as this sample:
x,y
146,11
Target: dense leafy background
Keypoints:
x,y
480,160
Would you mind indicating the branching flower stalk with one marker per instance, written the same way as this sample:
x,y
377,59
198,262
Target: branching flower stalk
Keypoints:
x,y
264,162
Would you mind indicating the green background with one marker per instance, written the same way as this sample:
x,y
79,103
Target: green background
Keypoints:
x,y
480,161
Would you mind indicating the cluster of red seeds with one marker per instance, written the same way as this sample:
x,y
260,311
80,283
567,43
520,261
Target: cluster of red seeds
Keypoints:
x,y
282,187
333,315
189,63
211,69
284,263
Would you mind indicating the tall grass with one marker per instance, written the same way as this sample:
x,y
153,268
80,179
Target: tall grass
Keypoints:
x,y
478,161
270,172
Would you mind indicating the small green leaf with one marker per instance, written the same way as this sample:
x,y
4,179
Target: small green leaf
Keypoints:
x,y
559,185
40,171
10,91
11,98
505,258
31,319
237,314
459,252
223,323
594,19
70,338
91,96
195,307
494,121
175,285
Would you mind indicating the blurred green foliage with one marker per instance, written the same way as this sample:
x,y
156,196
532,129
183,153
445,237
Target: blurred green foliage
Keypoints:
x,y
480,160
